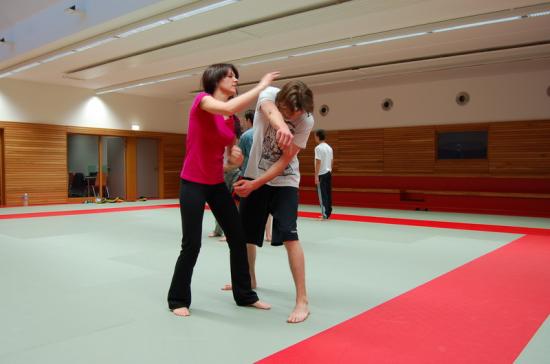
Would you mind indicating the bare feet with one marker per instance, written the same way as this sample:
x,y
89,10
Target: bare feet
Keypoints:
x,y
223,238
182,311
261,305
213,235
300,313
227,287
268,238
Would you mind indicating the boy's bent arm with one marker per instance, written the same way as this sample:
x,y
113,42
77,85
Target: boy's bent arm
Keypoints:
x,y
243,188
271,112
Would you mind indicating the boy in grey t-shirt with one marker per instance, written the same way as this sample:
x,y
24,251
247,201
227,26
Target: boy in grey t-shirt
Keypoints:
x,y
282,126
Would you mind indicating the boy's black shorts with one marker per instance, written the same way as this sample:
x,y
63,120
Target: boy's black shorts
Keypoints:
x,y
282,203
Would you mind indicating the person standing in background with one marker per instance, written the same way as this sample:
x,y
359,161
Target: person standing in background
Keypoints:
x,y
323,173
231,173
245,143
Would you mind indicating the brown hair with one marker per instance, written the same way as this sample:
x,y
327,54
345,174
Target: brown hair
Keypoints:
x,y
321,134
295,96
249,115
214,74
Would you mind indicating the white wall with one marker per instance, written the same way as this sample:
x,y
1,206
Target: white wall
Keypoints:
x,y
427,99
24,101
421,99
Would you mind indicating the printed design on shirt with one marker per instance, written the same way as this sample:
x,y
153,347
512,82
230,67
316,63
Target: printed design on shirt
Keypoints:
x,y
271,151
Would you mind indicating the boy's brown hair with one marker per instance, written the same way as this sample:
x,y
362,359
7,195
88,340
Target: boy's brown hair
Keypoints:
x,y
295,96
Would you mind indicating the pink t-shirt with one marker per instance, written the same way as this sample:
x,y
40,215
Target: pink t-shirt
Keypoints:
x,y
207,137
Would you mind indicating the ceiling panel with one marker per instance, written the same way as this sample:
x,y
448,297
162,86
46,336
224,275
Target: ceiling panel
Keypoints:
x,y
260,29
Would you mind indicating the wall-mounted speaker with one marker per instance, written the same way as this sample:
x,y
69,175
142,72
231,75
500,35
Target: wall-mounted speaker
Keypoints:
x,y
387,104
462,98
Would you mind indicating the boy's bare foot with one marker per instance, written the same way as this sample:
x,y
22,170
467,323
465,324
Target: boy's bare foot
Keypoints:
x,y
299,314
213,235
223,238
182,311
261,305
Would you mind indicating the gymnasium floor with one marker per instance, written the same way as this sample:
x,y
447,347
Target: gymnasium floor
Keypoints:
x,y
384,286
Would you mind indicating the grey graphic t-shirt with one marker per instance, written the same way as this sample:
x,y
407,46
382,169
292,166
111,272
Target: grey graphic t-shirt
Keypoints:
x,y
265,151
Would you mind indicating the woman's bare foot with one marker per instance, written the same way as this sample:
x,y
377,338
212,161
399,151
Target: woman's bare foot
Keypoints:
x,y
213,235
261,305
299,314
227,287
182,311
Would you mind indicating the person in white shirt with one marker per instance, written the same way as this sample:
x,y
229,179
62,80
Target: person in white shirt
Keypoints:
x,y
323,173
282,127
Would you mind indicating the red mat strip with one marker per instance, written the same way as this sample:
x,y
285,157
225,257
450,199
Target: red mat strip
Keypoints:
x,y
84,212
433,224
341,217
482,312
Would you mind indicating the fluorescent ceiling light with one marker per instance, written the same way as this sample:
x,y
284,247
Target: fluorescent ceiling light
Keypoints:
x,y
387,39
264,61
109,91
57,56
478,24
173,78
542,13
201,10
145,83
321,50
143,28
94,44
25,67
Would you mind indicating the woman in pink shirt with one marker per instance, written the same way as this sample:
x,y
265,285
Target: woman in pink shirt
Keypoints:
x,y
210,132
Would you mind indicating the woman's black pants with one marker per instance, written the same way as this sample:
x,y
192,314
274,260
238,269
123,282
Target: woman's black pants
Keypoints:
x,y
192,199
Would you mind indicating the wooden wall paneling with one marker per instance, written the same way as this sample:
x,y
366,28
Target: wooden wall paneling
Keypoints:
x,y
35,156
520,148
35,159
173,154
409,150
359,152
131,168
